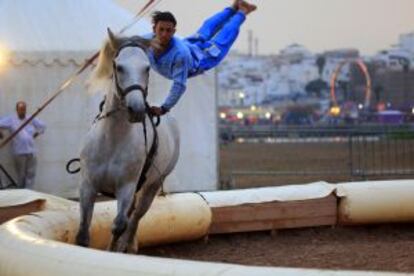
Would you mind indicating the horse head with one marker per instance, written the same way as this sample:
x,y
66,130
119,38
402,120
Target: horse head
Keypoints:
x,y
130,72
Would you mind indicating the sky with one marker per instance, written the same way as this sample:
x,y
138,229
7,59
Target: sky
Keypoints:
x,y
319,25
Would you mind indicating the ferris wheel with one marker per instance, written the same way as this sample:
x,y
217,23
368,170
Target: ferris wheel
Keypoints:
x,y
368,85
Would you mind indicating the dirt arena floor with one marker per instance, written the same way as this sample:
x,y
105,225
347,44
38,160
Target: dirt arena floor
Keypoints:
x,y
298,163
378,248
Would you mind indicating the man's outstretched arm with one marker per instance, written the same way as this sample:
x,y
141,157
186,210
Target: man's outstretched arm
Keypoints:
x,y
180,76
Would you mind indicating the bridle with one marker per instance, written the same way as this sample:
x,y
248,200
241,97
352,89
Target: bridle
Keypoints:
x,y
123,92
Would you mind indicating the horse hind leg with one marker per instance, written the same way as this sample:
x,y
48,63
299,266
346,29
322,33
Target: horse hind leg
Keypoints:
x,y
87,201
125,196
128,242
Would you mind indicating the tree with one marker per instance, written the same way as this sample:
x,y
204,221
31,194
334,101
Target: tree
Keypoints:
x,y
316,87
320,62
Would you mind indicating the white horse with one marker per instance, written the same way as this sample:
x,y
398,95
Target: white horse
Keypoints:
x,y
118,144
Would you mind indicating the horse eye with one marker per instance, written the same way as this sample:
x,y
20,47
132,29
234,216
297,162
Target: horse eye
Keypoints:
x,y
120,69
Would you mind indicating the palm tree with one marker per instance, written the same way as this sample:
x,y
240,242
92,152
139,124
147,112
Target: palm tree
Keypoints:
x,y
320,62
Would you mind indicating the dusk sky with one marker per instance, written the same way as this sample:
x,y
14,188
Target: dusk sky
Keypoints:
x,y
369,25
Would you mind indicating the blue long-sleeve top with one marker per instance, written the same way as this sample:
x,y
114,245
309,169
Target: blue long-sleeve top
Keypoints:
x,y
179,62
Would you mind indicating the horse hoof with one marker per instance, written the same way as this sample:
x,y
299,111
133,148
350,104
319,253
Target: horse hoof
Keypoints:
x,y
122,248
82,241
126,248
132,250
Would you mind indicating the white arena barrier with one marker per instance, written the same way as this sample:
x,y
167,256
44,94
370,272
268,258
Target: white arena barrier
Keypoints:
x,y
371,202
41,243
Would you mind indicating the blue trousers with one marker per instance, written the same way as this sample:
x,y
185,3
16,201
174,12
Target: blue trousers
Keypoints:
x,y
216,36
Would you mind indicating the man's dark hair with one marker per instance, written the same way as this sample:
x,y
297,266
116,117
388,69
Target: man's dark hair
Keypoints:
x,y
19,103
158,16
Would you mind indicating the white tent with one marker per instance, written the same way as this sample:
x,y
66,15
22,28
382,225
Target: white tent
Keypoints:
x,y
47,40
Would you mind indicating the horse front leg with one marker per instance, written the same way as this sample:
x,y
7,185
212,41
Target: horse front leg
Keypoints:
x,y
129,240
87,202
125,196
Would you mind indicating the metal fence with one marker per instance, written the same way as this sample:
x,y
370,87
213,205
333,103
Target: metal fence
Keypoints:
x,y
344,153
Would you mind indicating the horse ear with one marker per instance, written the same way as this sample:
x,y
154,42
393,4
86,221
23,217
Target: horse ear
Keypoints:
x,y
113,41
147,43
155,44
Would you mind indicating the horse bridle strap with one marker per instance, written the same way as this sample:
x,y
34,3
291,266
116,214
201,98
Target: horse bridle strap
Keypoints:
x,y
125,91
134,87
149,159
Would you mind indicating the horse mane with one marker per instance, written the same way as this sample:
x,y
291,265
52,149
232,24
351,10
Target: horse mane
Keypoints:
x,y
102,73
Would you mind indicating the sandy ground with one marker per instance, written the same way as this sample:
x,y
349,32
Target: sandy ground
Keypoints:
x,y
299,163
380,248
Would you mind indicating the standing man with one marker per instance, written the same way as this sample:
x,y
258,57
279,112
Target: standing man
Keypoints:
x,y
23,146
179,59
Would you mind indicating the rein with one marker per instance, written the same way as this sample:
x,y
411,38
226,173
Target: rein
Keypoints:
x,y
149,159
106,115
